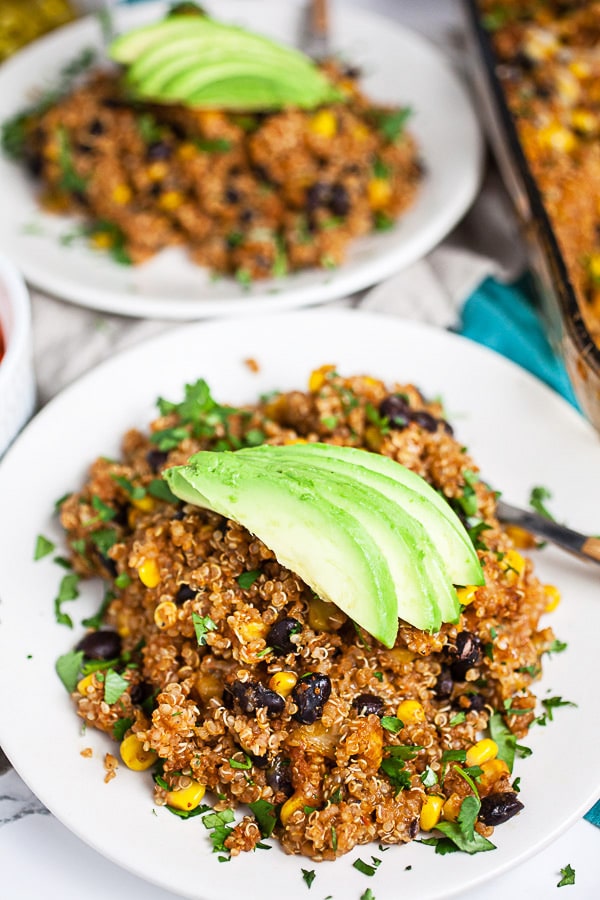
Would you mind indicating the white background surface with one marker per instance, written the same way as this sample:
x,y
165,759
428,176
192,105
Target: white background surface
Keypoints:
x,y
40,858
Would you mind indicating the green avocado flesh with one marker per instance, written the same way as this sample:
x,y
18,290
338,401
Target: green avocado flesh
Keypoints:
x,y
206,64
346,530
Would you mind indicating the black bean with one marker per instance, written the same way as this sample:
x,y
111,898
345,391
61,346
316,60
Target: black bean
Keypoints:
x,y
155,189
100,645
475,702
232,196
121,517
156,459
444,684
339,204
158,150
352,71
447,427
184,593
35,164
140,692
368,704
310,695
396,410
425,420
261,762
179,515
246,216
96,127
84,148
413,828
318,194
467,654
252,695
280,634
279,777
109,564
499,807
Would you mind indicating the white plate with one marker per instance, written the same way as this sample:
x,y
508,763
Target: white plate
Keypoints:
x,y
519,431
400,67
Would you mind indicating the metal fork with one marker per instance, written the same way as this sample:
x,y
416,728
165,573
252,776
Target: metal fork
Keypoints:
x,y
581,545
314,34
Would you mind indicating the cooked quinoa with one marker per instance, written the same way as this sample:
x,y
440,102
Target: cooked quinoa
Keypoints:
x,y
251,195
550,72
236,677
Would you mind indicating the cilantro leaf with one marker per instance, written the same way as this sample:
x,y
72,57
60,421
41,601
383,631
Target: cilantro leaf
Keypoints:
x,y
462,832
96,620
368,895
121,726
557,647
264,813
568,876
68,590
392,723
428,777
188,813
134,491
309,876
218,823
505,739
391,124
103,539
536,501
202,624
364,867
458,718
68,667
550,704
114,686
160,489
169,438
247,579
43,547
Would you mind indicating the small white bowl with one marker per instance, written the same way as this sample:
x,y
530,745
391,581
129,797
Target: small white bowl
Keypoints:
x,y
17,380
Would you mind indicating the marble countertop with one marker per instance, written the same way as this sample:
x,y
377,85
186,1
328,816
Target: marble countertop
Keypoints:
x,y
39,857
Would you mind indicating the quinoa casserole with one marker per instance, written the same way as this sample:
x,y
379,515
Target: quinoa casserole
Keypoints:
x,y
252,194
550,73
220,671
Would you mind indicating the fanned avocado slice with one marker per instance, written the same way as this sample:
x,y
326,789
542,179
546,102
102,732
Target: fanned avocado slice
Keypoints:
x,y
321,542
411,492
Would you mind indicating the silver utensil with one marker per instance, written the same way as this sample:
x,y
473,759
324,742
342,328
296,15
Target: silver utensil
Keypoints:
x,y
314,35
581,545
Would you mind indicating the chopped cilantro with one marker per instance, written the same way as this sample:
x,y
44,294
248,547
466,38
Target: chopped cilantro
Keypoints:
x,y
454,755
96,620
536,501
550,704
383,222
568,876
368,895
134,491
403,751
398,776
374,417
462,832
442,845
161,490
334,843
392,723
104,539
236,764
105,512
378,676
505,739
391,124
148,127
468,500
264,813
254,437
169,438
475,529
188,813
43,547
202,625
247,579
68,590
219,145
516,785
78,546
522,751
121,726
529,670
114,686
68,667
458,718
557,647
63,562
70,180
428,777
309,876
329,422
380,169
243,277
364,867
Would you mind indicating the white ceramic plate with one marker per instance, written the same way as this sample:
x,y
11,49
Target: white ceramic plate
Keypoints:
x,y
520,433
400,67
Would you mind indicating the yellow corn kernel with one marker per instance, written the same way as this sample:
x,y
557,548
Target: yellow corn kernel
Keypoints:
x,y
373,438
411,712
283,683
122,626
85,683
584,120
208,686
520,537
51,151
102,240
324,616
186,151
134,756
451,807
594,266
295,441
579,68
324,123
165,614
188,798
557,137
379,191
482,752
295,802
431,812
144,504
467,594
513,564
492,770
402,655
252,631
360,132
149,573
210,116
317,378
157,171
121,194
170,200
553,595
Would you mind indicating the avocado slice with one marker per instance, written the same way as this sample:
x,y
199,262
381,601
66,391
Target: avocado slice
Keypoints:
x,y
321,542
411,492
203,63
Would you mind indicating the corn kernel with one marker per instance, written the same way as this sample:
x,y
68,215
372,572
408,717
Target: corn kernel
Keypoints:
x,y
157,171
85,683
324,616
557,137
492,770
122,626
186,151
188,798
165,614
411,712
51,152
170,200
379,191
520,537
252,631
121,194
210,116
513,564
134,756
317,378
283,683
208,686
145,504
431,812
102,240
373,438
467,594
324,123
579,68
594,266
295,441
402,655
553,595
360,132
296,801
482,752
584,120
149,573
451,807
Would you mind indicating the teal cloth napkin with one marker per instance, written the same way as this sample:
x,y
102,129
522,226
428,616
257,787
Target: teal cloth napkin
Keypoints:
x,y
504,318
